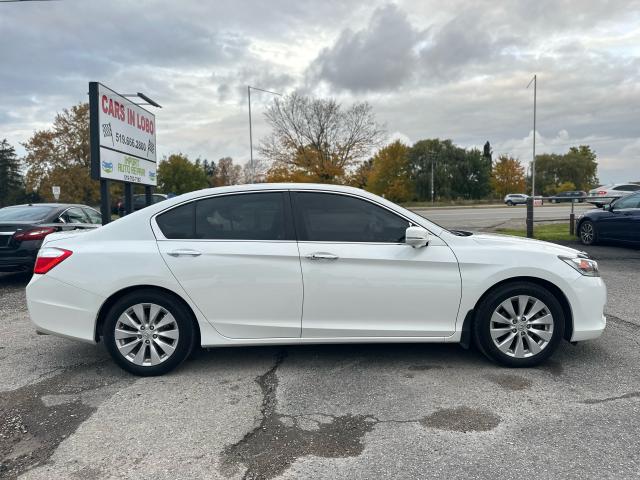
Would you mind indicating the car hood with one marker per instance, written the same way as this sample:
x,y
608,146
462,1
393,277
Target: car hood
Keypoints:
x,y
528,244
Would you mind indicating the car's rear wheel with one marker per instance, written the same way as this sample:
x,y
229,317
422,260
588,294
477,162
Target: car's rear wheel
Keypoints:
x,y
148,333
587,233
519,324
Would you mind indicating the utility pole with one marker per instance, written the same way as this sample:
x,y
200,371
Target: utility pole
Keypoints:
x,y
433,194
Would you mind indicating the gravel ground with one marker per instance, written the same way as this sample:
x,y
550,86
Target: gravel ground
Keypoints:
x,y
365,411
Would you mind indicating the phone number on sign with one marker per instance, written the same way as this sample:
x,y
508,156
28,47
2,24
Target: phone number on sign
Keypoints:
x,y
131,178
131,142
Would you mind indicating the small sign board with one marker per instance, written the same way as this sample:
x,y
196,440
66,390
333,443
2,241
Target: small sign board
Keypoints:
x,y
123,138
537,202
56,192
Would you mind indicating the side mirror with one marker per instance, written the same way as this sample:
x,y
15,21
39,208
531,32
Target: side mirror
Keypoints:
x,y
417,237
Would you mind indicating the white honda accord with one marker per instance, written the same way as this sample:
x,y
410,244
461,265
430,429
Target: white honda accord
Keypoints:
x,y
299,264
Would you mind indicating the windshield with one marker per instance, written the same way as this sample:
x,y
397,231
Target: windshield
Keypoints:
x,y
24,214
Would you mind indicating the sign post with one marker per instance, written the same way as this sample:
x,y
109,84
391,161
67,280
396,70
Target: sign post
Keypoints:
x,y
56,192
123,144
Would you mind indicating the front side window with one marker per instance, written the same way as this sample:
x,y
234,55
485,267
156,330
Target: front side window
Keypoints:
x,y
326,217
632,201
249,216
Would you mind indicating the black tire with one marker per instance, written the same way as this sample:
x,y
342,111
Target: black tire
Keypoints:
x,y
587,233
482,323
510,203
183,319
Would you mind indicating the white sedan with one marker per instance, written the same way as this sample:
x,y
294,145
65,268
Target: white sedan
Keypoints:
x,y
300,264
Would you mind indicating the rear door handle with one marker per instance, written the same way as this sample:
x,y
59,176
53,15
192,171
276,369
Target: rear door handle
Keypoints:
x,y
186,252
322,256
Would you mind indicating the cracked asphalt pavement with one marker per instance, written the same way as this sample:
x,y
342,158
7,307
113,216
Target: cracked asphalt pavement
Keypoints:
x,y
350,411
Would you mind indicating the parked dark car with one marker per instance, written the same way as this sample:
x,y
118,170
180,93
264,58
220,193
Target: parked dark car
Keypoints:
x,y
569,196
23,228
618,221
140,201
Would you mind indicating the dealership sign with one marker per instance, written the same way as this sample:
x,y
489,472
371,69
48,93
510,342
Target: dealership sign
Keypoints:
x,y
123,138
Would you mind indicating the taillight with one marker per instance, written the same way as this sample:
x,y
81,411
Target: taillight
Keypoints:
x,y
49,257
602,192
34,233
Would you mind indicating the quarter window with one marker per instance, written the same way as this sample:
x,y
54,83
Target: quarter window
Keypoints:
x,y
325,217
179,222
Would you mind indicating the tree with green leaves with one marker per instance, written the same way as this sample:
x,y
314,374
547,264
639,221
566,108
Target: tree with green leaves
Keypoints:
x,y
457,172
11,181
177,174
578,166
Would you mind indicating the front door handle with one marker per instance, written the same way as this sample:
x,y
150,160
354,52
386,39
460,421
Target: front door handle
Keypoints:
x,y
322,256
186,252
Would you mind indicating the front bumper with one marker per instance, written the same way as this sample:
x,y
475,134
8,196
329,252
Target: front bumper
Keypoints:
x,y
57,308
589,297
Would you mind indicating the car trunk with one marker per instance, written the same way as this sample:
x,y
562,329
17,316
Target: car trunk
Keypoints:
x,y
8,229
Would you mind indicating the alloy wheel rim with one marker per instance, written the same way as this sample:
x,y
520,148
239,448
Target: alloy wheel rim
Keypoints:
x,y
521,326
586,232
146,334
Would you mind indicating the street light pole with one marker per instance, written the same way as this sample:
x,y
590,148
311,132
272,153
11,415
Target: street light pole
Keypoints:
x,y
253,172
252,165
531,201
534,80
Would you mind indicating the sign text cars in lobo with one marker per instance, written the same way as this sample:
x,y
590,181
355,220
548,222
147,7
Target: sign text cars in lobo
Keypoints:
x,y
123,138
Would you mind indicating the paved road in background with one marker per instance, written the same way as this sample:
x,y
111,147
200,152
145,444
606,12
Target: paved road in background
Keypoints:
x,y
366,411
483,218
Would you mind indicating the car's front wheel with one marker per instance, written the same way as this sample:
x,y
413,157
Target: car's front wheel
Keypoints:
x,y
148,333
587,233
509,203
519,324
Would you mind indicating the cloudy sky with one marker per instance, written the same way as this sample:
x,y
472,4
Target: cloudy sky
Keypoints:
x,y
455,69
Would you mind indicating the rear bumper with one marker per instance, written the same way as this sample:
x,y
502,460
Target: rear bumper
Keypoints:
x,y
61,309
587,305
21,263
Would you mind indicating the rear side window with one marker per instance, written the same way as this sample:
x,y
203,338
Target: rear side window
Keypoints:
x,y
326,217
249,216
94,216
74,215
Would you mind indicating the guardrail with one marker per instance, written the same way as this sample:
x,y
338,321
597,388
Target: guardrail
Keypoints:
x,y
598,201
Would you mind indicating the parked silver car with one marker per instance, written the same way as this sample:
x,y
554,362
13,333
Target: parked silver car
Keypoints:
x,y
612,190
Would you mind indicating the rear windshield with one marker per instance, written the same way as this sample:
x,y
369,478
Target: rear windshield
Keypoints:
x,y
26,213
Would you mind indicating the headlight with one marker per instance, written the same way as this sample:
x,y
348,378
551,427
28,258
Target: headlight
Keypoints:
x,y
585,266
